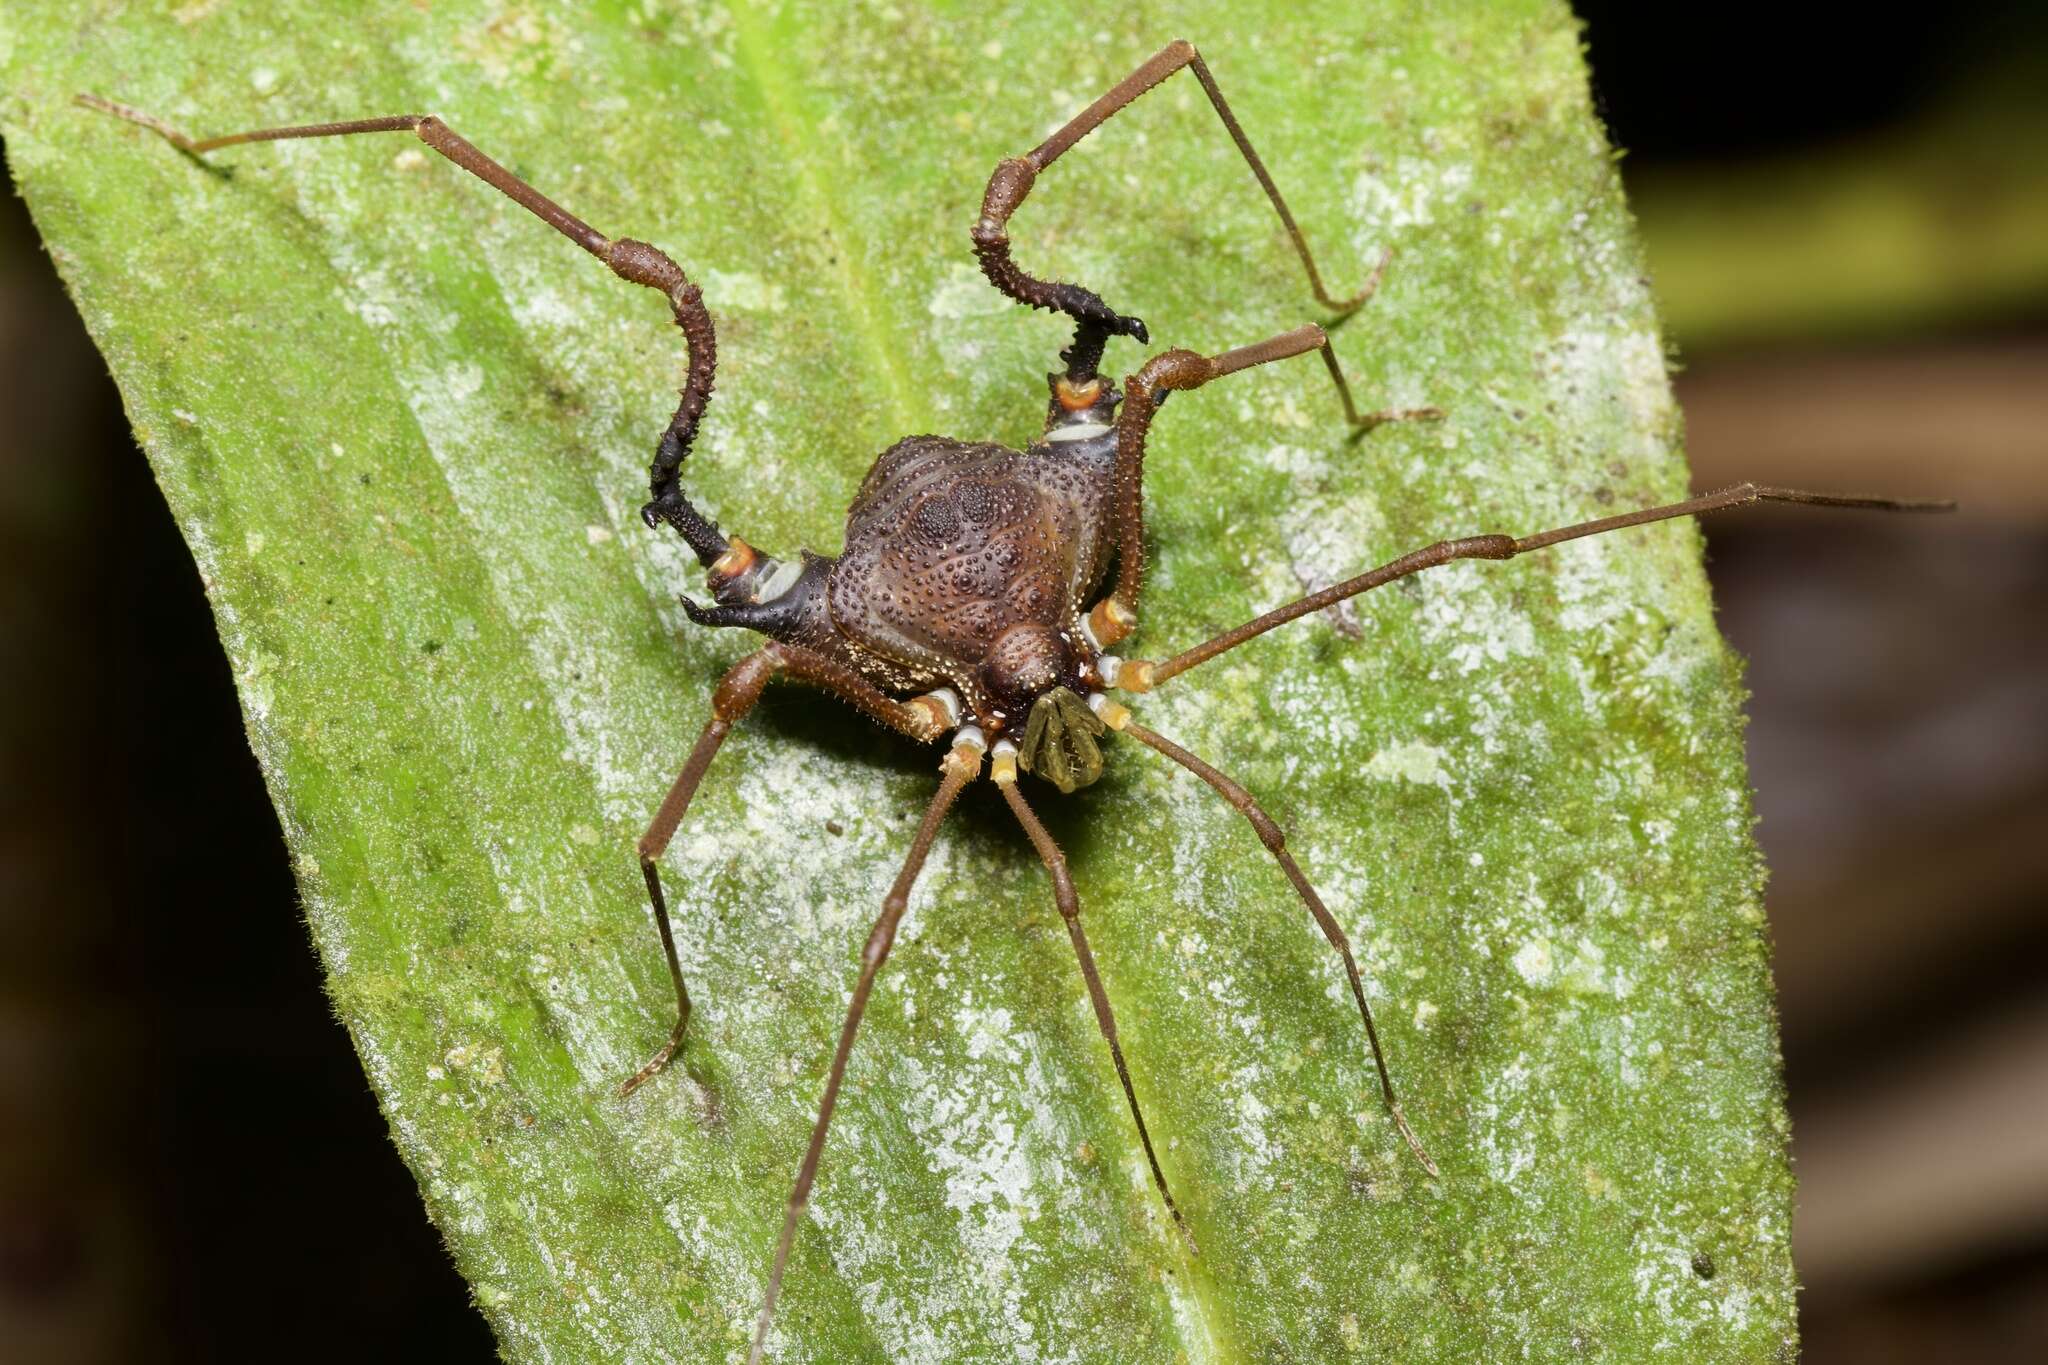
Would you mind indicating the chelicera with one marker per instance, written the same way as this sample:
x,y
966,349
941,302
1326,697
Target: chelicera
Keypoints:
x,y
982,589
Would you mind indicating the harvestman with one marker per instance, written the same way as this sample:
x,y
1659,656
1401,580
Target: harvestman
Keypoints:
x,y
961,604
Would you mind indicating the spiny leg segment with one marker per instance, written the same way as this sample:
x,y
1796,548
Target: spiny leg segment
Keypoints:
x,y
1003,771
1095,321
635,262
958,768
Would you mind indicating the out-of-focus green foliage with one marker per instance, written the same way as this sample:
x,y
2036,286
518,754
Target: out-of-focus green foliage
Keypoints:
x,y
1938,223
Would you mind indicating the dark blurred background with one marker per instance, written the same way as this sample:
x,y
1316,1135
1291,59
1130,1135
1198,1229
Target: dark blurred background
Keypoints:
x,y
1847,220
1846,214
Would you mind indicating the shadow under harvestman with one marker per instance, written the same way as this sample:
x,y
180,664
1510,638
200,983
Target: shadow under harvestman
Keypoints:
x,y
965,603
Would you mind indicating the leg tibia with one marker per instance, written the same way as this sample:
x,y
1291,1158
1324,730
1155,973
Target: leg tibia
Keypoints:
x,y
958,769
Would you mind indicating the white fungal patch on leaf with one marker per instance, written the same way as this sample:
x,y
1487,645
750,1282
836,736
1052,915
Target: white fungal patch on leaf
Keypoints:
x,y
1506,1138
1535,961
743,291
1472,624
964,292
1410,761
1408,194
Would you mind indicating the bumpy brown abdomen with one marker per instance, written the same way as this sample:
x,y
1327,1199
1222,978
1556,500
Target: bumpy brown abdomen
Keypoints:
x,y
947,546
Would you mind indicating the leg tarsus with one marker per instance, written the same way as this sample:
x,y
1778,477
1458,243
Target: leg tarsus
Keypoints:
x,y
1367,290
659,1062
1414,1142
661,1059
1365,423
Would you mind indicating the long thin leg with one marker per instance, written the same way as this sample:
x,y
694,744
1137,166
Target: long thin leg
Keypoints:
x,y
957,770
1139,675
1095,320
633,261
921,718
736,695
1276,844
1005,776
1114,617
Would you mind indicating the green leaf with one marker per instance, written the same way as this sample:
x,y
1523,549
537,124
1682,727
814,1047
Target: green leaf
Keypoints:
x,y
404,428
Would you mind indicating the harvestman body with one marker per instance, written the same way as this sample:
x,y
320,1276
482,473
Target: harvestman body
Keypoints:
x,y
968,600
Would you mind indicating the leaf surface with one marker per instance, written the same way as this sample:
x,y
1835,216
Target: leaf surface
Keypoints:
x,y
404,429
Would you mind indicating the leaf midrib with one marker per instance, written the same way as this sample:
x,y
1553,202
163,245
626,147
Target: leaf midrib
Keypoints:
x,y
801,136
